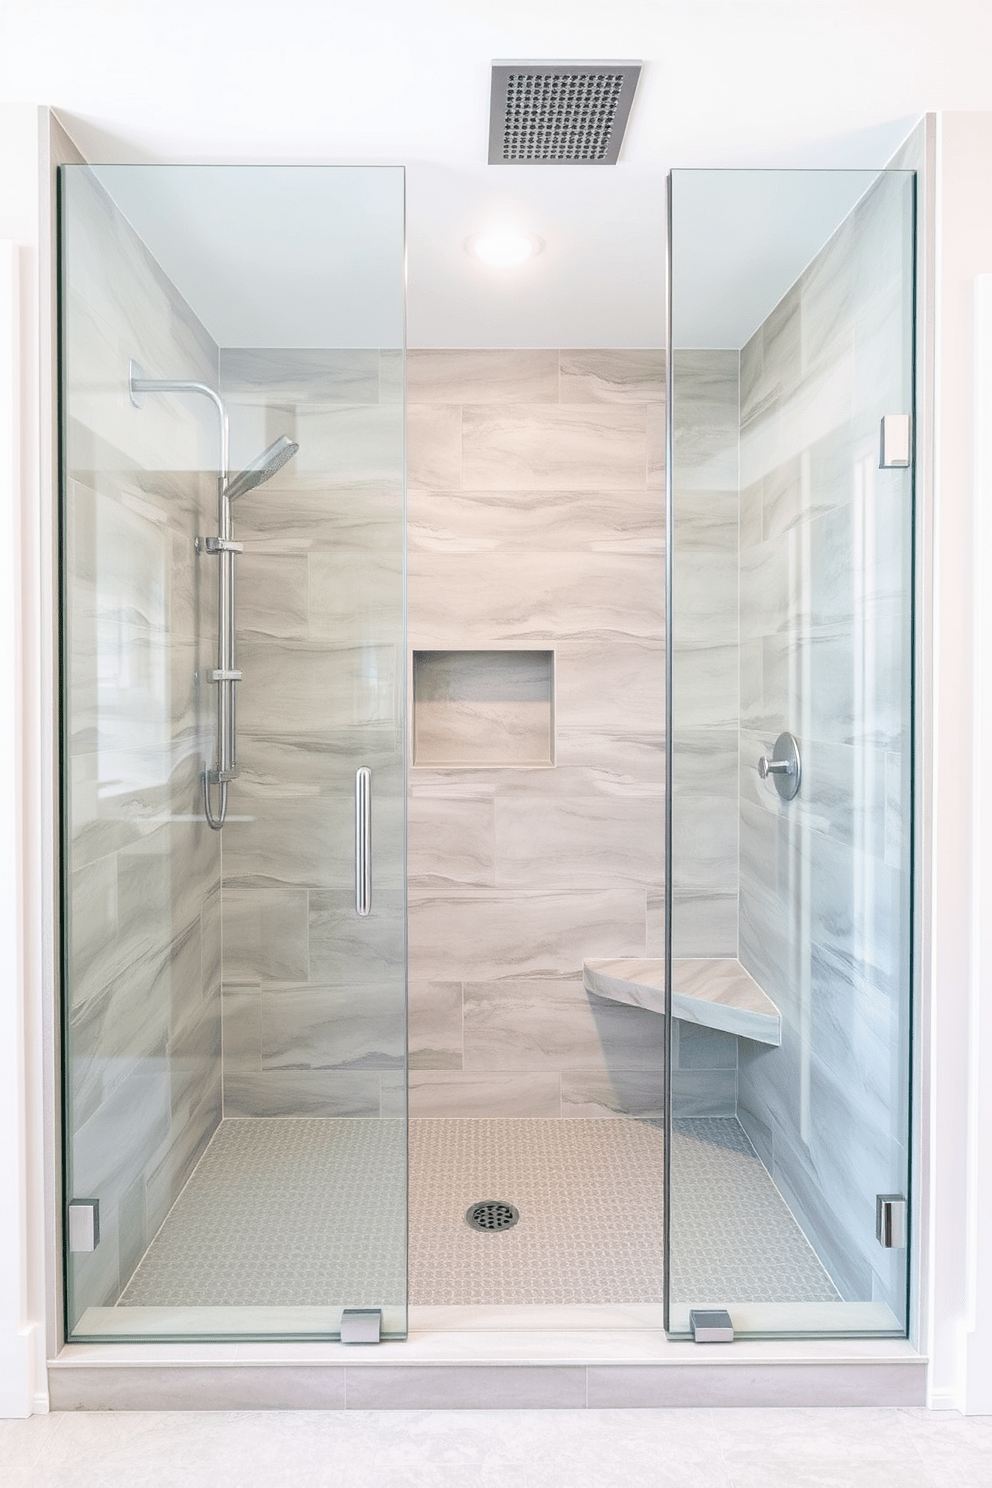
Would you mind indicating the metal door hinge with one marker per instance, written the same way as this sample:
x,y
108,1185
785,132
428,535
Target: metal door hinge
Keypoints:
x,y
894,442
891,1227
83,1225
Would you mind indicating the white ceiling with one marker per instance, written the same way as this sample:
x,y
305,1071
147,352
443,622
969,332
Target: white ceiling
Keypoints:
x,y
729,83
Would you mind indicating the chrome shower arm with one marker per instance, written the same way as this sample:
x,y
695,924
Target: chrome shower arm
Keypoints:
x,y
138,383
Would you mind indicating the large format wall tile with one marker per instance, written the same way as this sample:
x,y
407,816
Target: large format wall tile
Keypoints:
x,y
142,868
574,447
549,536
511,376
824,889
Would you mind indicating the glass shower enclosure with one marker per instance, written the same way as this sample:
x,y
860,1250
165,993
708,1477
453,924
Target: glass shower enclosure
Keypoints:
x,y
233,751
790,729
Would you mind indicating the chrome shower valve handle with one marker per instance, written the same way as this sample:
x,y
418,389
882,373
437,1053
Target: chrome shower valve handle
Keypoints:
x,y
784,766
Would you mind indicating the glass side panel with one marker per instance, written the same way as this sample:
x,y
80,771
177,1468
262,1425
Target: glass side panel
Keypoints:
x,y
234,1031
790,893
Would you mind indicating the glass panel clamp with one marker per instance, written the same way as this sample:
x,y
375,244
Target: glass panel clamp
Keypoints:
x,y
711,1325
361,1325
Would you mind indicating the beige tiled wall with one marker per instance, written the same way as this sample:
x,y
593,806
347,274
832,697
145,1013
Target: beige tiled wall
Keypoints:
x,y
536,522
313,995
142,1046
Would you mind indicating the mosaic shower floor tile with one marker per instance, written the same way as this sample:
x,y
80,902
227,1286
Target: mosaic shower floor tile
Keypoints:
x,y
310,1212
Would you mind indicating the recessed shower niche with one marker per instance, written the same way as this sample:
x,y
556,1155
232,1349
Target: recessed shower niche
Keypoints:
x,y
488,708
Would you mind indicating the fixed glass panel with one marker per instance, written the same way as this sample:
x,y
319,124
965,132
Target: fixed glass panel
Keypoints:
x,y
790,652
233,661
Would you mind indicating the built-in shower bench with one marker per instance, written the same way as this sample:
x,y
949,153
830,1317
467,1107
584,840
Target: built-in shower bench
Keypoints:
x,y
714,991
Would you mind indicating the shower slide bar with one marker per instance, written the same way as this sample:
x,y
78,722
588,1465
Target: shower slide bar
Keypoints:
x,y
225,675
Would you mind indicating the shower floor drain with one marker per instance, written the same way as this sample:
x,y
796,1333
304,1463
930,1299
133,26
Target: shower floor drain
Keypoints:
x,y
492,1214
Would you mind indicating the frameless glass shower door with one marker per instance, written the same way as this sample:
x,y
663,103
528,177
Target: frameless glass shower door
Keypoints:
x,y
790,732
233,795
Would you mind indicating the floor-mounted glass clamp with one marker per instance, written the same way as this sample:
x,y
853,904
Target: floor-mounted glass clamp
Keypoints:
x,y
785,766
711,1325
83,1224
361,1325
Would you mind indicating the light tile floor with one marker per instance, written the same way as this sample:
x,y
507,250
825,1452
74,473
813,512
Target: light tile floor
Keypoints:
x,y
309,1212
529,1449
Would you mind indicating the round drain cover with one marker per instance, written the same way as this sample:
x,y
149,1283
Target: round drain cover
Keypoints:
x,y
492,1214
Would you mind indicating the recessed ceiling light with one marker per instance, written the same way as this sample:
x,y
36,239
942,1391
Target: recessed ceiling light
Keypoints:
x,y
503,247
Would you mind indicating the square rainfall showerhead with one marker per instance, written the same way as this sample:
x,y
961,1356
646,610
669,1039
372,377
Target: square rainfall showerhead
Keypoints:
x,y
560,113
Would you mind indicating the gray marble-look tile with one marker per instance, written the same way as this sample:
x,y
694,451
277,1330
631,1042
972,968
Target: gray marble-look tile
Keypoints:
x,y
475,599
333,1028
599,684
317,513
705,683
603,375
616,1092
272,594
696,1047
435,1025
434,447
265,935
302,1093
575,447
355,595
299,375
698,1092
705,841
704,922
578,842
485,376
656,447
344,948
705,604
555,1025
242,1029
484,1093
707,525
450,842
274,842
534,521
520,934
316,687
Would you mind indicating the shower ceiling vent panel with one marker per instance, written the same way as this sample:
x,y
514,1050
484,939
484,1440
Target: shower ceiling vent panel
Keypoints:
x,y
560,113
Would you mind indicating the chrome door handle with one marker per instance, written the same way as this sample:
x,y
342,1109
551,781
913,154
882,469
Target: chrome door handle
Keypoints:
x,y
363,841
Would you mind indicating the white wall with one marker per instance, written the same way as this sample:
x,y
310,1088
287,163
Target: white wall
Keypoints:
x,y
22,1241
959,1135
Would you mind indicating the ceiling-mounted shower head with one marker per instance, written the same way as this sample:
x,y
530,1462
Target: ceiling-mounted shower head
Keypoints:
x,y
262,468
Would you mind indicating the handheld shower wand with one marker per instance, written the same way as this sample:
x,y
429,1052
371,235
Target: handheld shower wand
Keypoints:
x,y
225,675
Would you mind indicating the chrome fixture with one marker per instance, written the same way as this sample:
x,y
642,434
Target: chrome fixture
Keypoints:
x,y
363,841
710,1325
785,766
361,1324
891,1227
225,674
83,1225
262,468
894,448
560,113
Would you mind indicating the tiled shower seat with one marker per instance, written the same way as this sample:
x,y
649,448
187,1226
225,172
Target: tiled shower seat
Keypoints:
x,y
714,991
